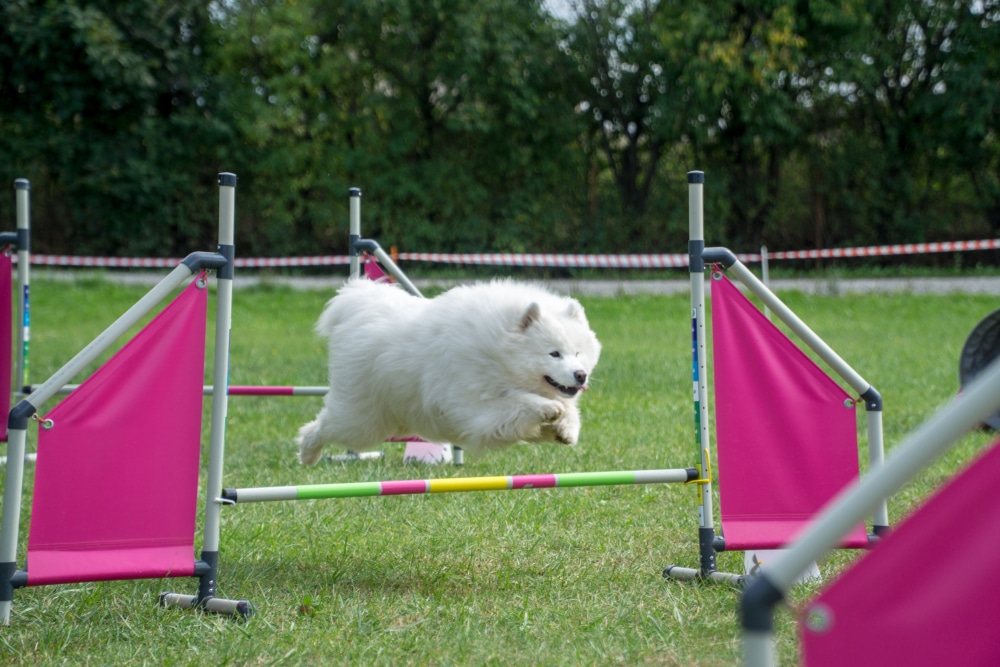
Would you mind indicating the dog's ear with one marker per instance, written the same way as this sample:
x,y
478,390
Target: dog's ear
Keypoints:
x,y
532,314
575,311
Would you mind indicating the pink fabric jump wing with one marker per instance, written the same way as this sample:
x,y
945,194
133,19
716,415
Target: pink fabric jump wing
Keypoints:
x,y
116,483
786,433
923,597
374,272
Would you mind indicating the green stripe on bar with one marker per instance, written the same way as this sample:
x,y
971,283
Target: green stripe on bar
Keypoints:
x,y
346,490
595,478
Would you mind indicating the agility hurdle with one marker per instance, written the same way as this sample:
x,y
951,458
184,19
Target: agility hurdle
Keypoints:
x,y
459,485
121,532
700,475
746,416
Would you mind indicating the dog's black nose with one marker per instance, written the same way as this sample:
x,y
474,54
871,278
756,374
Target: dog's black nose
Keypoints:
x,y
580,377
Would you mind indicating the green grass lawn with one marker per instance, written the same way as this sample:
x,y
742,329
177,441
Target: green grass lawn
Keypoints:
x,y
569,577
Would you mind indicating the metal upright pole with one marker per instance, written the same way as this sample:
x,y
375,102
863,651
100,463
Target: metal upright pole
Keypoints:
x,y
765,275
17,432
23,187
699,354
707,540
355,231
876,457
208,582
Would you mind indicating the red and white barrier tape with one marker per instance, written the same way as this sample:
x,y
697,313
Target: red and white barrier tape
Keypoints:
x,y
574,261
535,260
166,262
886,250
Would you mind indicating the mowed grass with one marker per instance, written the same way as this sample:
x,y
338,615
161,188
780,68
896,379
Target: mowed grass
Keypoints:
x,y
567,577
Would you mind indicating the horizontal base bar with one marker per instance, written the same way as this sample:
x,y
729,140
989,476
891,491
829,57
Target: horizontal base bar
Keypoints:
x,y
29,457
349,457
241,608
692,574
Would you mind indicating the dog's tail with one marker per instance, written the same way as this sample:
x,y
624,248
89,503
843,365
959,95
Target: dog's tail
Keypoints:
x,y
309,447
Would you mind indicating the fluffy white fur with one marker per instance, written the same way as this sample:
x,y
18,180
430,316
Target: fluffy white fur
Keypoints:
x,y
482,365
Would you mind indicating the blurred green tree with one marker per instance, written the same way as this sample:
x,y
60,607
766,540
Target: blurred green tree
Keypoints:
x,y
493,125
105,106
449,115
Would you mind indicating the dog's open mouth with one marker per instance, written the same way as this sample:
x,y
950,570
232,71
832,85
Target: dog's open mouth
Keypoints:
x,y
567,391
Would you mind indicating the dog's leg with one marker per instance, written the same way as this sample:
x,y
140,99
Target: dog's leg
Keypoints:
x,y
353,431
310,444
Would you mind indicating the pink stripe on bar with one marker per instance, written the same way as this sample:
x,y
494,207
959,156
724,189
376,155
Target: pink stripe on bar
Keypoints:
x,y
404,487
532,481
242,390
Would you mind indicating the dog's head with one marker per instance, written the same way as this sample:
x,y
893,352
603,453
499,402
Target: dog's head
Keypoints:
x,y
563,349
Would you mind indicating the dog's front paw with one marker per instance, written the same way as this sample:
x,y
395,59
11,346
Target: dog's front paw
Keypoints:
x,y
551,412
567,429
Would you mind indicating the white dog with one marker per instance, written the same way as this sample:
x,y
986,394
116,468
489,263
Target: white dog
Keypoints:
x,y
483,365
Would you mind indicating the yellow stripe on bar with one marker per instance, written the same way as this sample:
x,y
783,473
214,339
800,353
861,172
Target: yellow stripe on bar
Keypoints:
x,y
448,485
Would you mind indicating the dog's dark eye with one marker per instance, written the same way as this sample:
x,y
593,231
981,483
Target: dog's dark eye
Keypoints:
x,y
555,354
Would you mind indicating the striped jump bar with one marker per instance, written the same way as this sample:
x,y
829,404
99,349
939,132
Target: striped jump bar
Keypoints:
x,y
233,390
264,390
458,485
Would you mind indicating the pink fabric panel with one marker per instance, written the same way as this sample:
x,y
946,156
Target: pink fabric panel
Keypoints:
x,y
116,484
374,272
923,597
757,533
786,441
112,563
6,338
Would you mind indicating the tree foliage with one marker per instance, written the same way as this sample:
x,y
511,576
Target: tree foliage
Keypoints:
x,y
448,114
493,125
103,107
